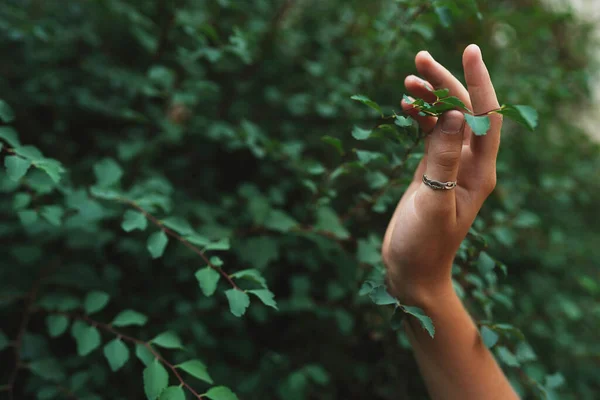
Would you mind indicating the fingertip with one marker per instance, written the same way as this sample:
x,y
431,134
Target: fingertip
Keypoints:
x,y
423,57
472,53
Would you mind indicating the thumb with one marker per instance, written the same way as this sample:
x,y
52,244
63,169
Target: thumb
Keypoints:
x,y
445,147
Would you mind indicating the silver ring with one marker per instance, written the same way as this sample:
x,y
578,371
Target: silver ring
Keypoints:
x,y
437,185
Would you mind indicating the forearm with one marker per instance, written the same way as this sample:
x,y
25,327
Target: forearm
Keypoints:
x,y
455,364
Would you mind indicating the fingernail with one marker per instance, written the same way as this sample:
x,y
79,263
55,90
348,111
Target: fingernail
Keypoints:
x,y
423,82
452,122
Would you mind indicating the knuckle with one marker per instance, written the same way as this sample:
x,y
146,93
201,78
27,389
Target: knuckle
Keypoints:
x,y
447,160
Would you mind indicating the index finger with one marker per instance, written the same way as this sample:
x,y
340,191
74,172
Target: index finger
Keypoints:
x,y
483,98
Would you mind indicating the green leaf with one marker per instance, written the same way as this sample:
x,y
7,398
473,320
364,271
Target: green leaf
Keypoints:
x,y
221,393
366,156
455,102
108,173
47,368
485,263
329,221
197,369
116,353
16,167
133,220
21,201
403,122
178,225
425,321
208,279
156,379
524,115
238,301
7,115
86,336
57,324
221,244
168,340
157,243
53,214
129,318
444,14
381,297
251,274
368,102
361,134
507,357
554,381
490,338
266,296
4,342
280,221
144,354
52,168
441,93
335,142
479,125
10,136
95,301
525,352
173,393
367,287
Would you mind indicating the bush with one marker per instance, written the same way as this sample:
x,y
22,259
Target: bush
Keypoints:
x,y
184,150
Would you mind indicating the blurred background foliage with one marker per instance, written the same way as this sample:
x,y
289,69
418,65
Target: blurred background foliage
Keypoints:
x,y
230,124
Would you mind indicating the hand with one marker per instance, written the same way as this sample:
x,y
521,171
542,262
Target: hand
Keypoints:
x,y
429,225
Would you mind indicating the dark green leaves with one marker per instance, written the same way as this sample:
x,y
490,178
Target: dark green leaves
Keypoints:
x,y
86,336
361,134
238,301
489,337
524,115
479,125
129,318
16,167
173,393
507,357
368,102
4,342
381,297
208,279
424,320
156,379
157,243
116,353
221,393
108,173
197,369
266,296
47,368
168,340
57,324
95,301
10,136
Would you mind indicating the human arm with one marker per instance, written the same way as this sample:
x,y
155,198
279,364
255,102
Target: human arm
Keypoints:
x,y
429,225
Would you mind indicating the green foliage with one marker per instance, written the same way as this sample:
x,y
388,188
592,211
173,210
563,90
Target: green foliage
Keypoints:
x,y
194,186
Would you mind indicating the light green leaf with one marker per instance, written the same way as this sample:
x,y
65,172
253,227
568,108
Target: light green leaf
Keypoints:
x,y
52,168
368,102
168,340
47,368
208,279
335,142
53,214
156,379
524,115
365,156
221,393
10,136
425,321
178,225
525,352
485,263
7,115
367,287
221,244
507,357
455,102
86,336
490,338
197,369
116,353
133,220
16,167
95,301
128,318
266,296
157,243
554,381
441,93
21,201
403,122
4,342
173,393
108,173
57,324
359,133
251,274
280,221
479,125
144,354
238,301
381,297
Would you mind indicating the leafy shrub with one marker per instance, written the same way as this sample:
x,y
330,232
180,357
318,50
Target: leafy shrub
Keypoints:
x,y
185,150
